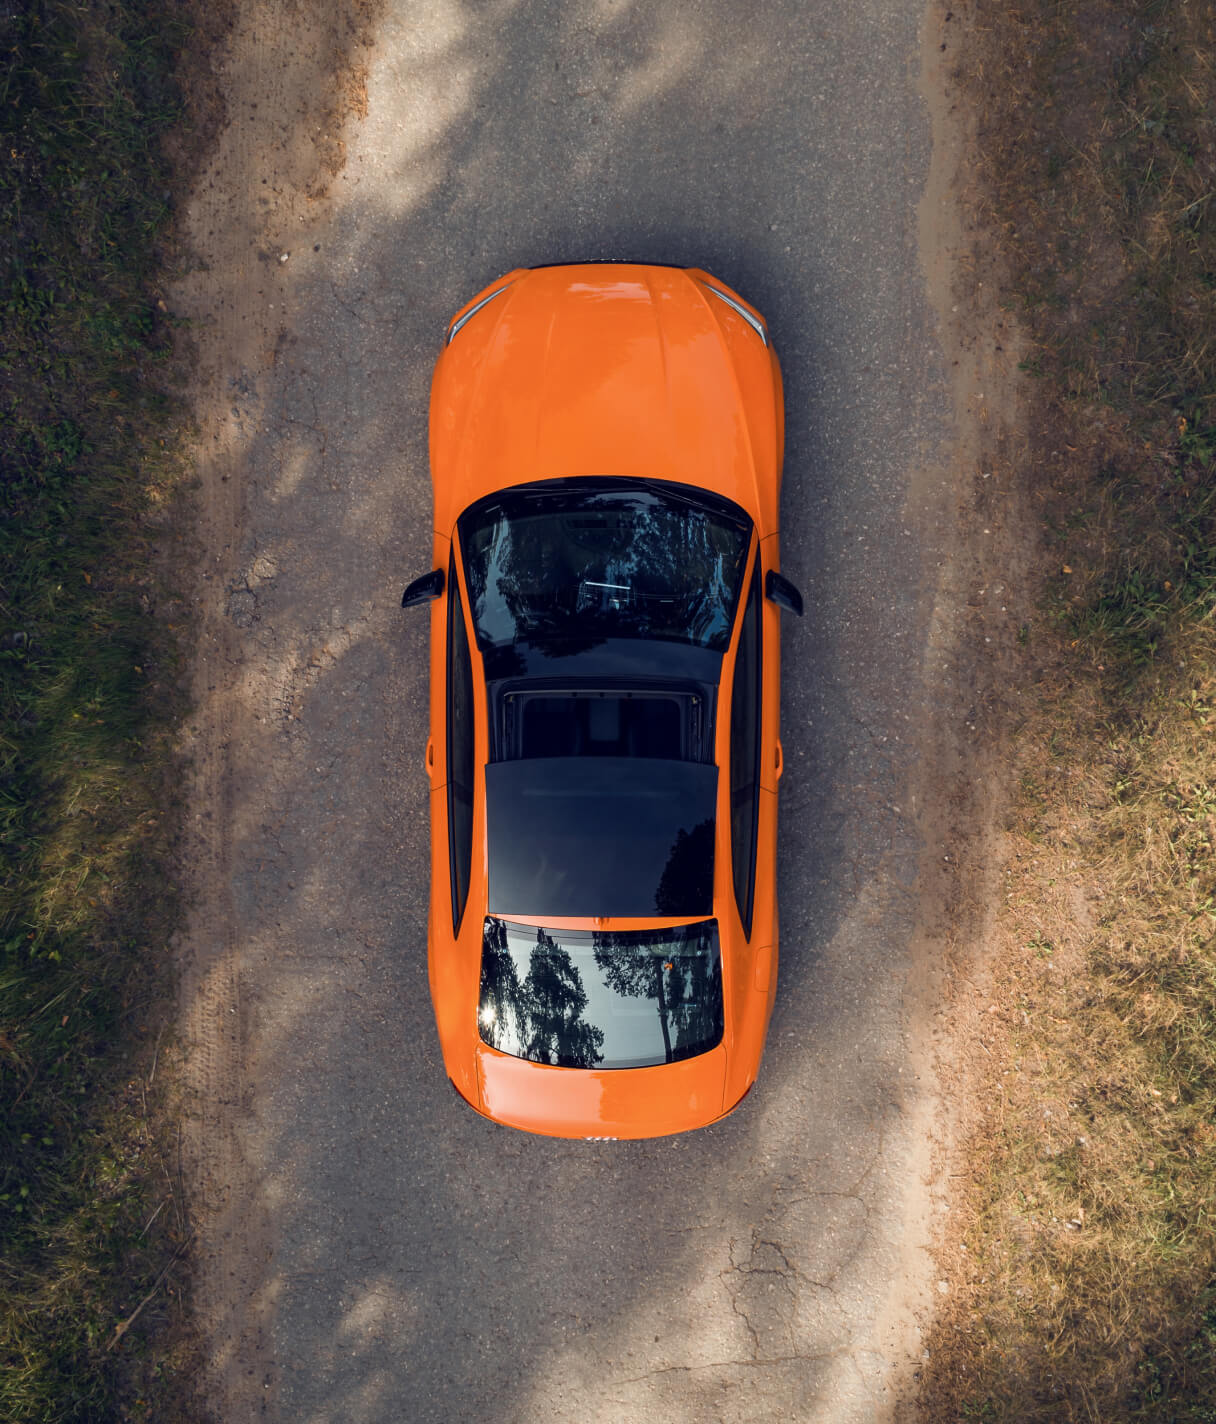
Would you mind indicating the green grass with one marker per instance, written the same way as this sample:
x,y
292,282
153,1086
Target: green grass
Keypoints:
x,y
1087,1290
88,693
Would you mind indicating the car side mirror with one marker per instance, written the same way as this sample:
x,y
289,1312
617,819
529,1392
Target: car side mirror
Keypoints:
x,y
423,589
782,592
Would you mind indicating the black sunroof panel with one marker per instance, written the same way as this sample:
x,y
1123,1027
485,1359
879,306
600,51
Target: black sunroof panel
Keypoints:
x,y
601,836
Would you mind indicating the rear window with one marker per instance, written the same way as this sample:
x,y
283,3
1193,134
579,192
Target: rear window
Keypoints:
x,y
600,999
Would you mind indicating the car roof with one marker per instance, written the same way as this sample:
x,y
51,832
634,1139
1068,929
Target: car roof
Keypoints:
x,y
600,837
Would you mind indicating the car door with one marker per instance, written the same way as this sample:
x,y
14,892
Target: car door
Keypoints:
x,y
451,757
754,752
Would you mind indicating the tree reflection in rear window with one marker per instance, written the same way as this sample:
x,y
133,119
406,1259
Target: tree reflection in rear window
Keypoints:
x,y
589,559
600,999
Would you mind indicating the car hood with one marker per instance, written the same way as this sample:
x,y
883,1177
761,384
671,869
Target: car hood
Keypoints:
x,y
579,1102
604,370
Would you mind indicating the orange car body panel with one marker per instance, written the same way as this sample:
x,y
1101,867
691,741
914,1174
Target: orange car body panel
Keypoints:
x,y
626,1102
606,370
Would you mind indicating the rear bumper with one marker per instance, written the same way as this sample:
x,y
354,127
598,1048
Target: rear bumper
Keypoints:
x,y
583,1103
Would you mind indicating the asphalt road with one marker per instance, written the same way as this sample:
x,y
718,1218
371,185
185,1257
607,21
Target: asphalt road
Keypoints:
x,y
370,1249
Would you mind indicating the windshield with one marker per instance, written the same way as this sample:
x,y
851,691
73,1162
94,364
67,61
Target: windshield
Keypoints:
x,y
576,561
592,999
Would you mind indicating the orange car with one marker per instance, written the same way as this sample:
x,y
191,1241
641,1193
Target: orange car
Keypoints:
x,y
606,449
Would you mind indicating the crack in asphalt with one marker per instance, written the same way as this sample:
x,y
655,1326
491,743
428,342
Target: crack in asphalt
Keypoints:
x,y
811,1357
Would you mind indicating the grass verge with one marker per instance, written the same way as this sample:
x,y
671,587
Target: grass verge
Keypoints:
x,y
1085,1276
91,1221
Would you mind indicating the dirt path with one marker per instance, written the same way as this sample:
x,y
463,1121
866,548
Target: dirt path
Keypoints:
x,y
285,79
369,1251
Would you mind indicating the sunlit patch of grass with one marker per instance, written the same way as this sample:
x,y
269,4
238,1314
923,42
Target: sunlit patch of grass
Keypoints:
x,y
88,694
1090,1252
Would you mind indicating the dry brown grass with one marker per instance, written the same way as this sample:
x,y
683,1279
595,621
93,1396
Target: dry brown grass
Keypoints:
x,y
1088,1259
1085,1273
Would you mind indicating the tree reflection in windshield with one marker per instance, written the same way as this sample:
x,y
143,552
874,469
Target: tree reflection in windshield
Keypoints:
x,y
591,560
542,1015
685,989
598,998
